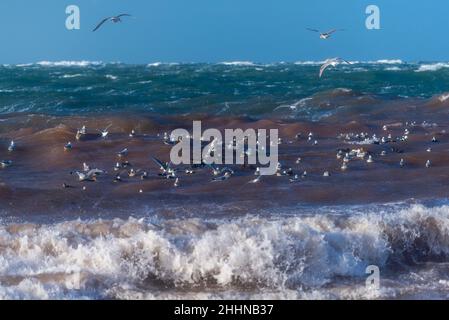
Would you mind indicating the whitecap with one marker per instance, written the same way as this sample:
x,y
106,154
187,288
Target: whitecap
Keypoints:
x,y
432,67
68,63
237,63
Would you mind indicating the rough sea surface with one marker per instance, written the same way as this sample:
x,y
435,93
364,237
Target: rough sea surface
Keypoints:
x,y
309,237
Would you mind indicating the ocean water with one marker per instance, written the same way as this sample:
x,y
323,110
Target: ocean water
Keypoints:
x,y
146,239
233,88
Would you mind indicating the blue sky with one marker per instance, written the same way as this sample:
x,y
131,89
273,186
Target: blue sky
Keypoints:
x,y
223,30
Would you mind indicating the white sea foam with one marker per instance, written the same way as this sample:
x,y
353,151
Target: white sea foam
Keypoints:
x,y
111,77
388,61
158,64
393,69
432,67
69,76
68,63
309,63
237,63
279,256
383,61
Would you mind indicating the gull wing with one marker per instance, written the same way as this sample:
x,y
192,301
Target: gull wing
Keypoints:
x,y
324,67
162,165
345,61
101,23
124,15
313,30
94,172
331,31
81,176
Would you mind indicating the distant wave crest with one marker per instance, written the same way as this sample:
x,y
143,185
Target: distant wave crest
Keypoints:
x,y
433,67
237,63
68,63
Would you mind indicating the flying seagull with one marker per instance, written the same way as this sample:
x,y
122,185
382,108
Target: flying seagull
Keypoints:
x,y
165,168
89,176
114,19
331,62
324,35
104,133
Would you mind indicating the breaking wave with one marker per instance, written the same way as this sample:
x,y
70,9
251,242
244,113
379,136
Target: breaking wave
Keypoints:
x,y
238,63
320,255
432,67
69,63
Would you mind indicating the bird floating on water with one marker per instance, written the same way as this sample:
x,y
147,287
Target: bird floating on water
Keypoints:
x,y
224,177
132,173
256,180
295,178
68,146
123,153
12,146
5,163
80,133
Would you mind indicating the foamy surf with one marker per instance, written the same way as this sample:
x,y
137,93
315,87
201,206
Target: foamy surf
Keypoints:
x,y
432,67
312,254
82,63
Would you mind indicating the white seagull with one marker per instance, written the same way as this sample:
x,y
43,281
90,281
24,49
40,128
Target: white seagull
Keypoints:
x,y
89,176
104,133
114,19
5,163
256,180
12,146
331,63
324,35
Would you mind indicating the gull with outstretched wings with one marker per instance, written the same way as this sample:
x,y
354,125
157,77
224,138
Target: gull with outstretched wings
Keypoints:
x,y
114,19
332,63
324,35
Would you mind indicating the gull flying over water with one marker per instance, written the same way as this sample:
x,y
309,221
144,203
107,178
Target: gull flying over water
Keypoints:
x,y
114,19
89,176
165,168
332,63
104,133
324,35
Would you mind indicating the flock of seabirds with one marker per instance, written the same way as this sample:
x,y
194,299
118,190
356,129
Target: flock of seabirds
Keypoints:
x,y
168,171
